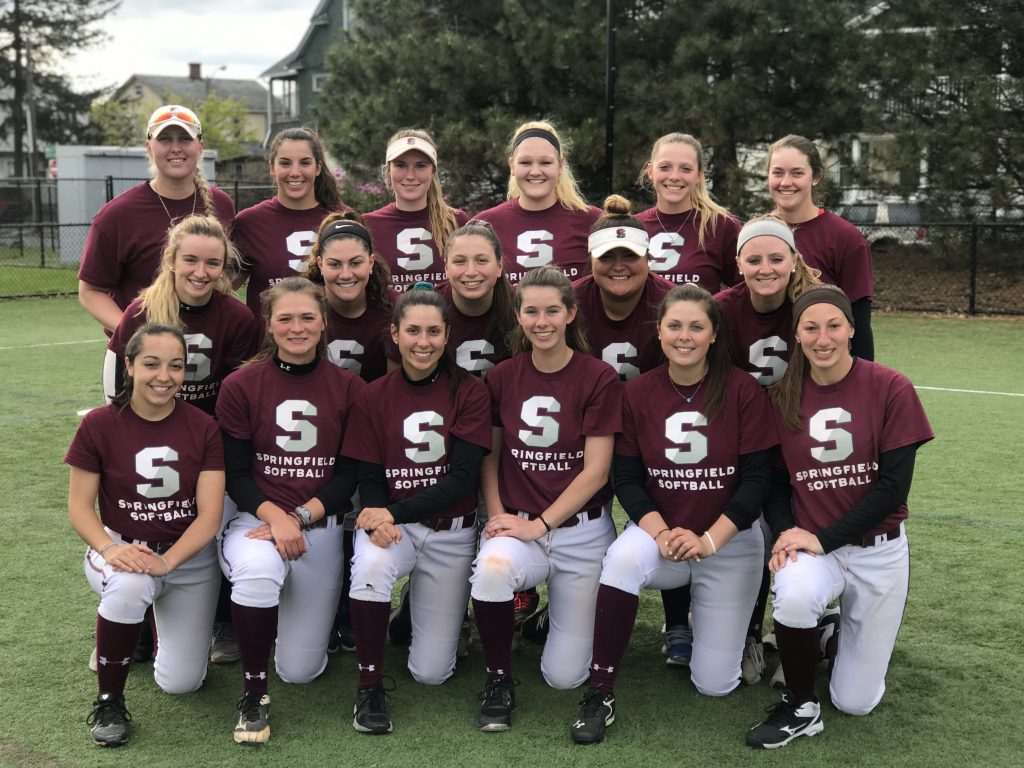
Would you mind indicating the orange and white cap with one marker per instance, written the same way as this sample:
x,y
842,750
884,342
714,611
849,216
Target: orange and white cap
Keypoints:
x,y
174,114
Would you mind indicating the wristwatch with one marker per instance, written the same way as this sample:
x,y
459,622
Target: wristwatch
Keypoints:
x,y
305,515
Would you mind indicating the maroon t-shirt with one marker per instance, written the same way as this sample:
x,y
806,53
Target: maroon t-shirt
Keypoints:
x,y
274,242
833,459
220,335
529,239
295,423
760,343
546,418
361,344
404,240
148,469
836,247
631,345
475,347
126,239
676,253
692,464
409,430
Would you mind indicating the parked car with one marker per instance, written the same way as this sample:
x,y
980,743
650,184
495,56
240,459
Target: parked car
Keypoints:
x,y
885,225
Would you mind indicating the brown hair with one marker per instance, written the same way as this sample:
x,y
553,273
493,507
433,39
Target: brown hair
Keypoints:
x,y
804,146
550,276
270,296
132,349
503,313
325,187
718,359
428,297
380,274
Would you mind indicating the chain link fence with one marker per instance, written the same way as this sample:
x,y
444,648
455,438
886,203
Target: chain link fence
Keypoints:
x,y
921,266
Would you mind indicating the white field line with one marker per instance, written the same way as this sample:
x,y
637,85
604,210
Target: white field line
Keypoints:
x,y
54,344
971,391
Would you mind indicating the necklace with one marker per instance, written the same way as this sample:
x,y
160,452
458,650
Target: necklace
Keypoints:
x,y
662,225
170,219
690,398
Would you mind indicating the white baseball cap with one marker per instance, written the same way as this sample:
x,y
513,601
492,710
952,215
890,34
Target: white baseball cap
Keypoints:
x,y
399,147
173,114
630,238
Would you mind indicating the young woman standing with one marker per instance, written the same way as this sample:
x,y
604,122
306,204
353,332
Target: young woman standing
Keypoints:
x,y
411,233
155,467
828,243
419,434
283,416
693,238
275,236
555,410
545,219
849,430
122,250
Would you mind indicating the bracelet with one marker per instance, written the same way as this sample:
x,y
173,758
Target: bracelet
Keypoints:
x,y
714,549
167,566
544,522
105,548
298,519
661,532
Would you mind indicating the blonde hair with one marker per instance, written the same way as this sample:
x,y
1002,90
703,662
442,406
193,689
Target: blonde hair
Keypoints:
x,y
709,213
803,276
159,302
567,191
440,215
198,179
269,298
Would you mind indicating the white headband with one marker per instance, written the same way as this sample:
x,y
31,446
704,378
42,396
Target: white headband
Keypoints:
x,y
765,227
630,238
399,147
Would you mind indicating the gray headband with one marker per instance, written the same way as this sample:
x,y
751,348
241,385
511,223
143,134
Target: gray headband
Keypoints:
x,y
769,227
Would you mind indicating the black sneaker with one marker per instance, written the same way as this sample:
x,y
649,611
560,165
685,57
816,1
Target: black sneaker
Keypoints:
x,y
341,638
253,725
400,626
786,721
524,605
370,714
597,712
535,629
109,720
497,702
144,648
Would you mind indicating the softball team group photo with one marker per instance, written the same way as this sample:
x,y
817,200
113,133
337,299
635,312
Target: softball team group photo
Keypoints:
x,y
415,393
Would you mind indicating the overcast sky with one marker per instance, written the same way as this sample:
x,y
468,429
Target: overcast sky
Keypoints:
x,y
154,37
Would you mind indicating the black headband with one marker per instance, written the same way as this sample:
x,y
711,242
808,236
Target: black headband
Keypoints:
x,y
349,228
537,133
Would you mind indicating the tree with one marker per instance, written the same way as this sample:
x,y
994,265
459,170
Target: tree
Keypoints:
x,y
946,79
32,32
734,73
121,124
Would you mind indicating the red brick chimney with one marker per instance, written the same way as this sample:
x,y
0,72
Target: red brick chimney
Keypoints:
x,y
194,71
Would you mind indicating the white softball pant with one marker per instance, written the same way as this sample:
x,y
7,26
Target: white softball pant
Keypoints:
x,y
183,603
569,560
871,583
438,564
306,591
723,588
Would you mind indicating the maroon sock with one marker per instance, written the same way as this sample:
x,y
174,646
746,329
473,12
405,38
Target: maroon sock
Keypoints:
x,y
255,630
613,625
370,625
114,645
798,650
495,625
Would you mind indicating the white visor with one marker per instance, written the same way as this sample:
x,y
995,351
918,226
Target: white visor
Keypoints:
x,y
399,147
630,238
